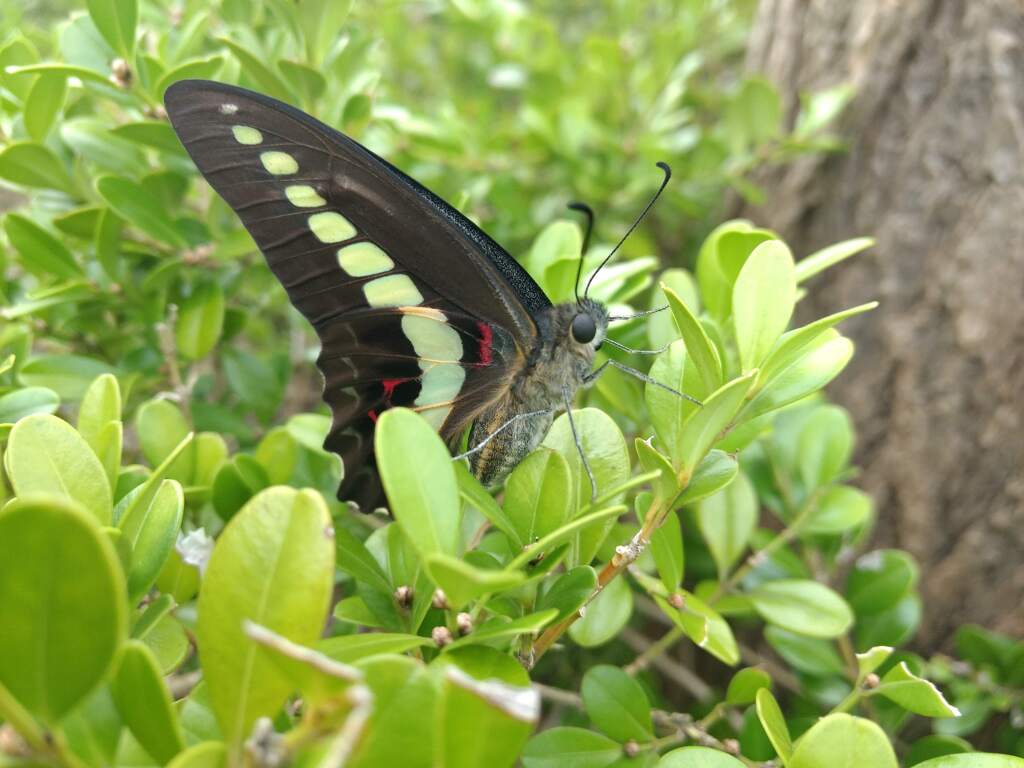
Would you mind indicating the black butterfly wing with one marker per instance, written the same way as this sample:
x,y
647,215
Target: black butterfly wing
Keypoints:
x,y
414,305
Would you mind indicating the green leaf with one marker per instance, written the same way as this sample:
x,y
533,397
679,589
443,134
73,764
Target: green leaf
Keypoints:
x,y
661,326
894,626
812,655
498,628
27,401
101,404
824,445
142,495
569,591
936,745
484,722
668,411
319,678
41,253
608,457
562,747
703,625
839,509
274,565
423,494
871,660
843,741
355,559
46,455
44,102
802,606
161,426
616,704
474,494
168,642
67,375
703,428
63,610
762,301
774,724
351,648
206,754
666,486
605,616
715,471
539,494
821,363
667,549
145,704
150,133
267,80
698,346
914,693
92,140
402,729
719,262
726,520
33,165
463,582
116,19
201,321
745,684
131,201
830,255
974,760
151,532
794,344
880,579
203,69
697,757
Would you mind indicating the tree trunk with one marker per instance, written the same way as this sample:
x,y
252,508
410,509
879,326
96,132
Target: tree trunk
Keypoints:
x,y
934,171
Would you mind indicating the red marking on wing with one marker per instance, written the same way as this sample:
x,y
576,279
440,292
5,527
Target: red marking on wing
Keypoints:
x,y
389,387
372,413
486,344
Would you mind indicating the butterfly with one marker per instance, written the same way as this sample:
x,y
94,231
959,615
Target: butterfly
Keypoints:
x,y
414,305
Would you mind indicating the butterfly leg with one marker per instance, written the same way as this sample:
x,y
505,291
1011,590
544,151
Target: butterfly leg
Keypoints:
x,y
479,446
592,377
579,443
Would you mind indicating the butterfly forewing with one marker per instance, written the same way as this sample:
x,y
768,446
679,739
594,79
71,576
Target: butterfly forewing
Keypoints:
x,y
413,304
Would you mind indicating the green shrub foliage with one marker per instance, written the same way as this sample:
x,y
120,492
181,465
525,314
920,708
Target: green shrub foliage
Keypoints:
x,y
178,585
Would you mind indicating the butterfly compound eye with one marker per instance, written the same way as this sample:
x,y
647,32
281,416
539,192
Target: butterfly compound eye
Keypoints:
x,y
584,329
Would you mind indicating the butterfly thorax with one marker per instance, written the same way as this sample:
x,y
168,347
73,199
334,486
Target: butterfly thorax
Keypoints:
x,y
556,368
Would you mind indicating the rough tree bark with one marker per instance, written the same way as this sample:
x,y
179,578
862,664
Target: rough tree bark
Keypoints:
x,y
935,171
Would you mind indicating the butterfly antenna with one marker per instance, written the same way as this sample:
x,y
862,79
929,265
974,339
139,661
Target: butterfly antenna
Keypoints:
x,y
645,313
664,182
587,211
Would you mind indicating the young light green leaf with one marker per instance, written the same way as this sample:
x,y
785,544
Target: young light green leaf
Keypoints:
x,y
715,471
463,582
821,260
973,760
774,724
762,301
703,625
474,494
871,660
726,520
351,648
161,426
101,404
273,565
116,19
26,401
200,321
669,412
821,363
33,165
698,346
498,628
802,606
706,424
144,702
43,104
46,455
616,704
914,693
843,741
539,494
667,550
64,606
151,532
824,445
661,326
719,262
205,754
355,559
423,494
697,757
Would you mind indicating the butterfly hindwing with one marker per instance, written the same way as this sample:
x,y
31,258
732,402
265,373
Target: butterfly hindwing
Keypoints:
x,y
413,304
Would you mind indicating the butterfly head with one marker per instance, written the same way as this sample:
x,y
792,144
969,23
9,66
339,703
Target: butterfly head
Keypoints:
x,y
588,324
